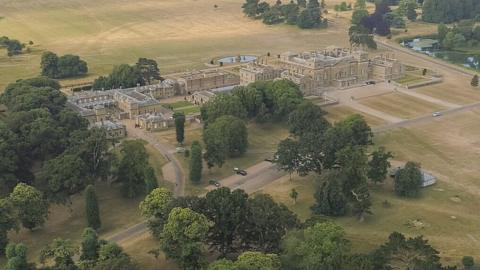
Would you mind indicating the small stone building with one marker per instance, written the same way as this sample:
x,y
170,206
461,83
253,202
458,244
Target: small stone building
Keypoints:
x,y
113,129
206,80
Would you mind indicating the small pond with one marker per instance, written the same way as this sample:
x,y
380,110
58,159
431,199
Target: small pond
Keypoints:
x,y
466,59
237,59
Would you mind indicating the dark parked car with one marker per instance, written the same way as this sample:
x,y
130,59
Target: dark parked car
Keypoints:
x,y
241,172
214,182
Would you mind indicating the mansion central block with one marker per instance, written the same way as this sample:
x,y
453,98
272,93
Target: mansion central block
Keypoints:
x,y
318,71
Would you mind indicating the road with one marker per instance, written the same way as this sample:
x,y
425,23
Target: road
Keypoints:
x,y
167,151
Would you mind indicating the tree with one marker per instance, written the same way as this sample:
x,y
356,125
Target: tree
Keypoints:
x,y
442,31
179,126
30,204
402,253
183,236
148,69
474,81
468,262
329,197
70,66
49,65
122,76
257,261
13,46
411,12
308,118
226,137
250,8
91,208
17,258
360,4
223,105
196,162
251,99
89,246
132,168
9,159
266,223
294,195
288,156
302,3
321,246
408,180
112,257
155,207
361,202
248,260
62,177
227,209
62,67
353,162
61,252
8,221
272,16
358,15
150,180
378,165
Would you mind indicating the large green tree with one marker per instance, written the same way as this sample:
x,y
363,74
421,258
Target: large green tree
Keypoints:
x,y
321,246
408,180
30,204
227,209
156,207
226,137
148,69
91,208
90,246
112,257
378,165
308,118
406,253
266,223
179,126
196,162
132,168
223,105
17,258
329,197
8,221
183,236
61,252
62,177
122,76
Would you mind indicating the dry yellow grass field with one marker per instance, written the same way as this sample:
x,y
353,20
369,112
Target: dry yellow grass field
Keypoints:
x,y
179,34
447,213
340,112
400,105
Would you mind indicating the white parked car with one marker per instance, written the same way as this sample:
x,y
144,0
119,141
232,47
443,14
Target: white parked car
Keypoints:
x,y
436,114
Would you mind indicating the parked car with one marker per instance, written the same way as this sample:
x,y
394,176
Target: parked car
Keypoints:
x,y
239,171
180,149
214,182
436,114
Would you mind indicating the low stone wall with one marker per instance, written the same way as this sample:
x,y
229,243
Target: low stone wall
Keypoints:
x,y
421,84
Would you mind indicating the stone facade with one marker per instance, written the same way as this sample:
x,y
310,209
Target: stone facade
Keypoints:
x,y
206,80
155,121
200,97
114,130
318,71
253,72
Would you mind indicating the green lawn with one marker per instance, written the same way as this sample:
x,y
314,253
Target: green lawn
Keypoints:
x,y
183,106
410,79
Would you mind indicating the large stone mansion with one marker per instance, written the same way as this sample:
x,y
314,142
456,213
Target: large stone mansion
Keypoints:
x,y
318,71
314,72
